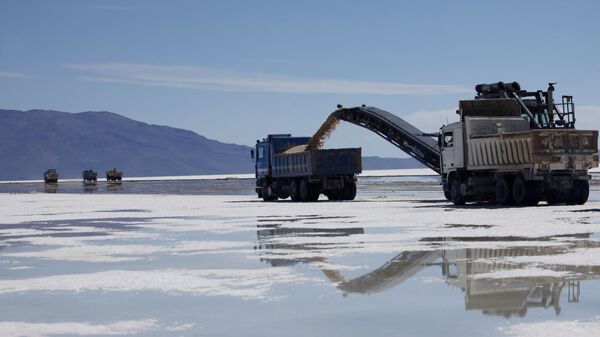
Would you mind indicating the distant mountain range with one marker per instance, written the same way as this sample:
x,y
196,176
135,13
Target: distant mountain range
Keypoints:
x,y
32,141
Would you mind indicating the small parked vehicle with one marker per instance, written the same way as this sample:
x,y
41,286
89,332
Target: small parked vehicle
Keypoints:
x,y
50,176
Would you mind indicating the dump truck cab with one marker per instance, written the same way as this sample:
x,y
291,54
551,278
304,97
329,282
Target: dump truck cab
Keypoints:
x,y
273,144
451,145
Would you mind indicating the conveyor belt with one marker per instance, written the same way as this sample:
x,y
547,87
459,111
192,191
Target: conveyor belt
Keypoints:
x,y
396,131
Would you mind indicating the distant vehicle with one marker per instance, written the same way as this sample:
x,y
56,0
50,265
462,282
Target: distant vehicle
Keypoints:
x,y
90,176
50,176
114,175
304,175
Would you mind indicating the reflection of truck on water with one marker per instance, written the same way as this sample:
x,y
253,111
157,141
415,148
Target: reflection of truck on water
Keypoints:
x,y
50,176
305,174
114,175
510,146
90,176
478,272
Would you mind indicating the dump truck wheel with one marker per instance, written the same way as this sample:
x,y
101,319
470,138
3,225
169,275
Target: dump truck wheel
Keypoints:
x,y
554,197
534,189
349,191
581,191
579,194
303,191
534,199
447,195
571,197
503,191
267,193
313,192
522,192
337,194
294,190
447,187
267,198
455,195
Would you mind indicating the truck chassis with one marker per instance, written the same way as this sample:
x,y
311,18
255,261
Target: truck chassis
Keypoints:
x,y
341,187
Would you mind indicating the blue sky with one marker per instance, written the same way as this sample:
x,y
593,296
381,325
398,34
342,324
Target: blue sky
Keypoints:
x,y
237,70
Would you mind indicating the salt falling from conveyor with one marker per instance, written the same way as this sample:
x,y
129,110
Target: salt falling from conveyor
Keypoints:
x,y
318,139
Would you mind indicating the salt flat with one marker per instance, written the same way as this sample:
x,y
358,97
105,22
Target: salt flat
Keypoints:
x,y
386,263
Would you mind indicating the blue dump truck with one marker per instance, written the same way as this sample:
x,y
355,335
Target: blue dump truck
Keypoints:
x,y
285,169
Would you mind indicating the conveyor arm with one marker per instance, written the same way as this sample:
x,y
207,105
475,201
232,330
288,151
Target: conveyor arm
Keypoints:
x,y
396,131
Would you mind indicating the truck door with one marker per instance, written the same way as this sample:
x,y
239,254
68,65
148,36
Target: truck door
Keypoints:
x,y
458,148
262,160
448,149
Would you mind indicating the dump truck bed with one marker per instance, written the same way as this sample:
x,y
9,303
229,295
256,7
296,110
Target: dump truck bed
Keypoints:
x,y
543,149
318,163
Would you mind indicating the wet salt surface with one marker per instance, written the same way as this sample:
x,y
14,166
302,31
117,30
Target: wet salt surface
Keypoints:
x,y
397,261
200,186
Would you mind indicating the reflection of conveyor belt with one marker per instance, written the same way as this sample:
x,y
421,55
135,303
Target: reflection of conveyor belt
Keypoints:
x,y
394,272
396,131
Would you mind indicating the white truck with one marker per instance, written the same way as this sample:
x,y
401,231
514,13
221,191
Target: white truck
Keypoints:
x,y
510,146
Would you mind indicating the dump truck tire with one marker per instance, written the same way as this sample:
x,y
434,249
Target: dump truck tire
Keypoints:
x,y
447,195
504,191
268,199
349,191
554,197
523,192
535,193
455,195
267,193
294,190
581,191
336,195
313,192
303,191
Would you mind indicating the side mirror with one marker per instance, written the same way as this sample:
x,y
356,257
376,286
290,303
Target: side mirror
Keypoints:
x,y
252,153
